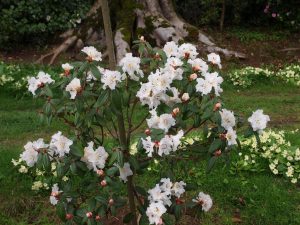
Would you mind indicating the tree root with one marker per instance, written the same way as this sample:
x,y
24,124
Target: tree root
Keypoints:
x,y
60,49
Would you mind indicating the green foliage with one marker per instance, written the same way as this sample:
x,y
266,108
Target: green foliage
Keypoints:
x,y
32,21
275,151
241,12
13,77
266,197
249,76
246,36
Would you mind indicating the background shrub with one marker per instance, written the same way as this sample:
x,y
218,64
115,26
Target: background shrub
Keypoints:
x,y
34,21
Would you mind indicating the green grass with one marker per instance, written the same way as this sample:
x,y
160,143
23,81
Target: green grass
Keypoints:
x,y
249,35
257,198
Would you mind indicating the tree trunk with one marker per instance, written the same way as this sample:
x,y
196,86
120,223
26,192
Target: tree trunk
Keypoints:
x,y
154,19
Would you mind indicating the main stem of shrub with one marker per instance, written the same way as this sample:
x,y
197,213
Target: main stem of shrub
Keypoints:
x,y
125,147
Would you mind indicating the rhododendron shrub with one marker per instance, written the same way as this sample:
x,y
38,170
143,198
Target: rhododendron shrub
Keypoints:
x,y
155,96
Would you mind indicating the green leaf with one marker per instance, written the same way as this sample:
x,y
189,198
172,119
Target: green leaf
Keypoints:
x,y
113,158
73,168
48,91
134,162
102,98
141,191
128,217
249,132
111,171
95,71
120,158
216,144
211,163
46,162
76,151
60,210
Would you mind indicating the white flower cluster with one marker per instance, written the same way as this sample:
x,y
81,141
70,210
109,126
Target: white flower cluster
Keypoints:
x,y
204,200
59,145
92,53
258,120
283,157
159,82
95,159
30,155
228,122
163,122
165,146
290,74
55,194
131,66
160,197
247,76
36,82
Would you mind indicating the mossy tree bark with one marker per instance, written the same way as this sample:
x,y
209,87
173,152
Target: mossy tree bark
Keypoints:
x,y
154,19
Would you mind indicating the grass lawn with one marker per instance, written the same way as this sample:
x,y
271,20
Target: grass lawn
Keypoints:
x,y
249,198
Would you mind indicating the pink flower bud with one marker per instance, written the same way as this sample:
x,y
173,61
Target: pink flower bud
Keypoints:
x,y
193,76
103,183
175,112
217,106
89,214
185,97
69,216
147,132
100,172
142,38
196,68
97,218
111,202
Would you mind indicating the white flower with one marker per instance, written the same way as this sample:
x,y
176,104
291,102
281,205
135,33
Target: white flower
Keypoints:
x,y
228,119
157,195
33,85
148,145
165,145
214,59
178,189
258,120
294,180
110,79
204,200
187,51
92,53
37,185
60,144
35,82
131,66
74,88
210,81
231,136
23,169
164,121
125,171
198,64
30,155
174,62
54,194
154,212
171,49
166,185
44,78
176,139
67,67
174,99
95,159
